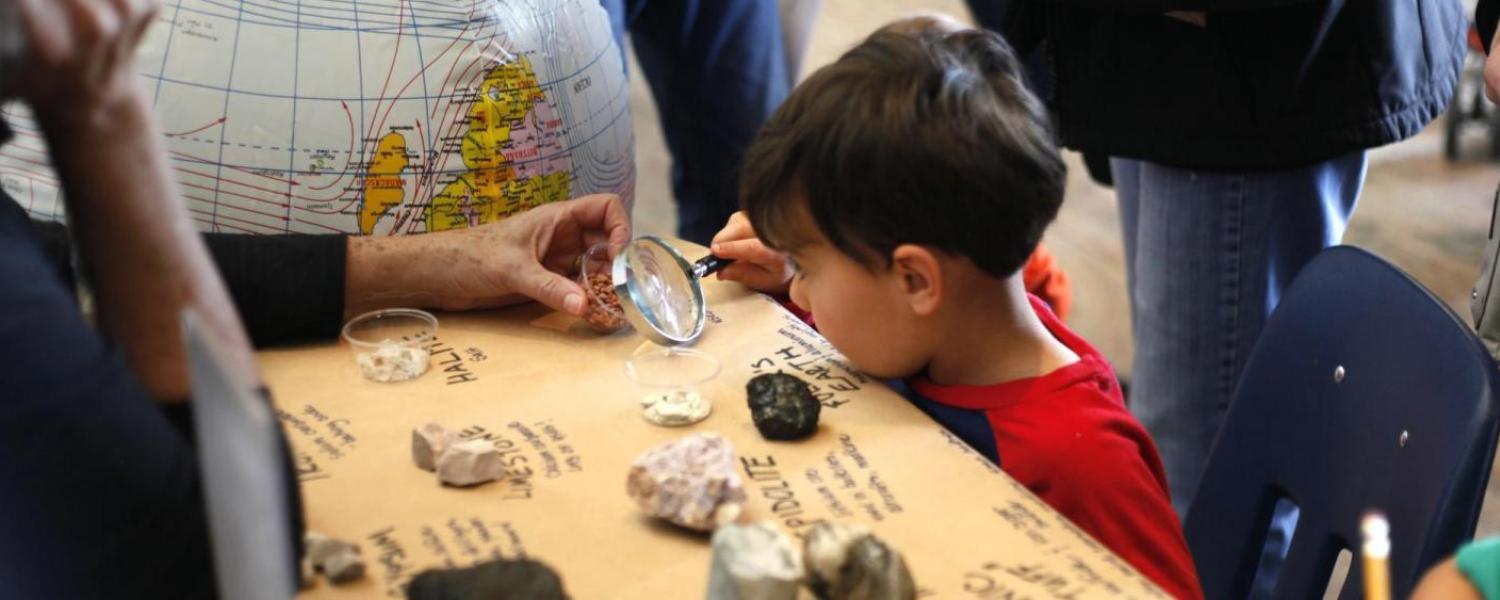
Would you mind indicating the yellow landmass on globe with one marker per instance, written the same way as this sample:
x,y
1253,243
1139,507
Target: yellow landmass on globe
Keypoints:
x,y
489,190
384,188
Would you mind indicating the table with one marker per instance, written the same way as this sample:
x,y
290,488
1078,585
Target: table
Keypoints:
x,y
555,398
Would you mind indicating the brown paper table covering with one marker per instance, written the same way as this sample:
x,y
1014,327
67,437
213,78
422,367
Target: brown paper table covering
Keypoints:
x,y
555,398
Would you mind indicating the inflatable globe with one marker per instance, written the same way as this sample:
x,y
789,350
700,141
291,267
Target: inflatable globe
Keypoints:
x,y
372,117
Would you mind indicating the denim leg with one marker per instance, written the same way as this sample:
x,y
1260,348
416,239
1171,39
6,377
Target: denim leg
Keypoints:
x,y
1208,255
717,69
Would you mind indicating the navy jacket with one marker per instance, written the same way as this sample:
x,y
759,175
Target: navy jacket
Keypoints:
x,y
1265,84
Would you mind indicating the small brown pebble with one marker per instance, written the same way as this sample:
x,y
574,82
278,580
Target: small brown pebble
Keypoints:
x,y
344,568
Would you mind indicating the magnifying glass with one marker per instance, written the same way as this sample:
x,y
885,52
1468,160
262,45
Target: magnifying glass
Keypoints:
x,y
660,291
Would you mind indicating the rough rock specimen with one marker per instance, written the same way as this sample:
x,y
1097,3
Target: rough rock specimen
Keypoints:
x,y
782,406
470,463
690,482
336,559
753,562
392,361
847,562
428,443
522,579
674,409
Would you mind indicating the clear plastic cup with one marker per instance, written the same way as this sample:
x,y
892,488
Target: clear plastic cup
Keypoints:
x,y
604,314
391,345
673,384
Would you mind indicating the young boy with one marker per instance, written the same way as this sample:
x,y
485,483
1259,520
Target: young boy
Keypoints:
x,y
896,195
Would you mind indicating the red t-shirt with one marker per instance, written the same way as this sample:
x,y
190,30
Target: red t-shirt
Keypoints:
x,y
1068,438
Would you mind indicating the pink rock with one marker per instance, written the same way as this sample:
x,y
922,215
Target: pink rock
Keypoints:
x,y
691,482
428,443
470,463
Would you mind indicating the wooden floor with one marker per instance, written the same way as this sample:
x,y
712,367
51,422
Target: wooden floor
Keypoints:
x,y
1427,216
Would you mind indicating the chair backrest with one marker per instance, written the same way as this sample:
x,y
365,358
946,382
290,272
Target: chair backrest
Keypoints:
x,y
1363,391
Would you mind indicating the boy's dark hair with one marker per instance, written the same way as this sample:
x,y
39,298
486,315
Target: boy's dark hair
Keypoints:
x,y
919,135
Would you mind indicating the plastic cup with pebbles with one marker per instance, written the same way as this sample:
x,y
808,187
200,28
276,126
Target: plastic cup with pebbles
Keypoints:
x,y
604,314
673,384
391,345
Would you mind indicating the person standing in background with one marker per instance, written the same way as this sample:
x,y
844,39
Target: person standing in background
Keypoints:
x,y
717,69
1237,131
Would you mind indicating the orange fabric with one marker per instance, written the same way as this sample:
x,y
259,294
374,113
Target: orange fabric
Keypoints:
x,y
1046,280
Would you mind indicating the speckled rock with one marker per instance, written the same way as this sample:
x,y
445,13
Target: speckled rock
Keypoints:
x,y
690,482
782,406
847,562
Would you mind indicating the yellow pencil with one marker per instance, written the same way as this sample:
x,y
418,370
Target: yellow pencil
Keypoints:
x,y
1377,552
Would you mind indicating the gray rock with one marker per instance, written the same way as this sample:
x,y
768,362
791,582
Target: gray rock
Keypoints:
x,y
496,580
428,443
847,562
470,463
690,482
337,559
753,562
782,406
344,568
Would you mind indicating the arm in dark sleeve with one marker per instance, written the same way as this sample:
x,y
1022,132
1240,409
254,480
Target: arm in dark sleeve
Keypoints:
x,y
287,288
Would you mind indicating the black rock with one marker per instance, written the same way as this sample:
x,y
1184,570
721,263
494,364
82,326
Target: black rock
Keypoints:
x,y
521,579
782,406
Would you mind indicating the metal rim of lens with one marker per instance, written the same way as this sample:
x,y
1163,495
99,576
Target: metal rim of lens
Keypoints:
x,y
635,312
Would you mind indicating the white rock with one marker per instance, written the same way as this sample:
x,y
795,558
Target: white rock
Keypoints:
x,y
847,562
470,463
392,361
428,442
753,562
675,409
690,482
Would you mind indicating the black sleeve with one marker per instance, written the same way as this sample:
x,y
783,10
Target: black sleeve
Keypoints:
x,y
1486,15
287,288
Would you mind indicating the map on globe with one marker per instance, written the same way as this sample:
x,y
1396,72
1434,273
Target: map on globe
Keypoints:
x,y
371,116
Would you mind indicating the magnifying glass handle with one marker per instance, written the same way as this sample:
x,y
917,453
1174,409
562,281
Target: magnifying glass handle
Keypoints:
x,y
709,265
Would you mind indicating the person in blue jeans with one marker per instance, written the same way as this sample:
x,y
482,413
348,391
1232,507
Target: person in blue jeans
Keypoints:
x,y
717,69
1237,132
1238,141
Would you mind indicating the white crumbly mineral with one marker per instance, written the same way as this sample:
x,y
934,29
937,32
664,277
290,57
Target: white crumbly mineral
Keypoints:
x,y
338,560
470,463
392,361
428,443
753,562
675,409
690,482
847,562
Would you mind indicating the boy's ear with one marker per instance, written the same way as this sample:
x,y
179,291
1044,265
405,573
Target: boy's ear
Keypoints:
x,y
920,276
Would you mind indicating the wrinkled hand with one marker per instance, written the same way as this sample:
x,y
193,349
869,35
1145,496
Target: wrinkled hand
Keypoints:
x,y
80,55
532,255
758,267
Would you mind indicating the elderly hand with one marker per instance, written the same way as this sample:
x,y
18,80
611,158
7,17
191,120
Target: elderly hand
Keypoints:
x,y
758,267
78,56
528,256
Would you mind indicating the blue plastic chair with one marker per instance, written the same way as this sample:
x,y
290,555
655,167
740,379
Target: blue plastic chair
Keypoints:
x,y
1363,391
